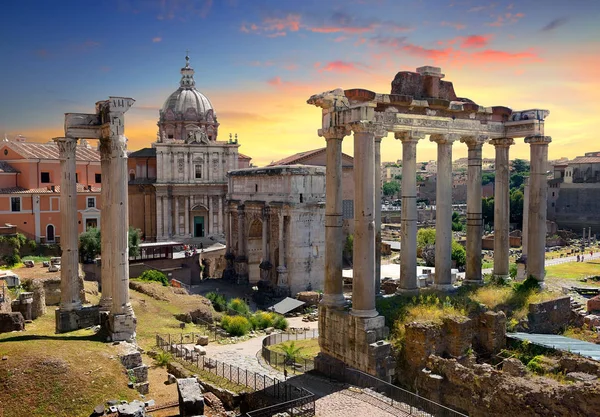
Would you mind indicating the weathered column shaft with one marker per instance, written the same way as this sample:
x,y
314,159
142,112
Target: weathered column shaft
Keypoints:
x,y
334,242
538,194
69,271
282,278
265,234
501,207
408,227
176,217
186,213
105,227
363,282
525,225
241,231
443,214
380,134
474,215
120,227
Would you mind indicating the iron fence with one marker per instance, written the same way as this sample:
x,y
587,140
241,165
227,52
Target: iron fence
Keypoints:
x,y
280,359
287,398
388,394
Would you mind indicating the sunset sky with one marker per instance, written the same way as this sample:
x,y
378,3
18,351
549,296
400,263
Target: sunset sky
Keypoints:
x,y
259,61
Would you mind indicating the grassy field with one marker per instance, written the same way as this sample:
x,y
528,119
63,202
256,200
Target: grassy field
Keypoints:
x,y
309,347
66,375
574,270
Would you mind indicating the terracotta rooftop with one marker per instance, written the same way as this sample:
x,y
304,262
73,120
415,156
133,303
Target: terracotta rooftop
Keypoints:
x,y
242,156
585,160
33,150
6,168
299,157
46,190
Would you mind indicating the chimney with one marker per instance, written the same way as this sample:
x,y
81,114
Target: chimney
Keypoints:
x,y
53,188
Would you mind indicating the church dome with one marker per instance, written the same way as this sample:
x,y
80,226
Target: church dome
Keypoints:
x,y
187,98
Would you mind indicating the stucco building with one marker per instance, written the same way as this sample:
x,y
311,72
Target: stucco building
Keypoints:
x,y
30,188
275,218
192,166
141,167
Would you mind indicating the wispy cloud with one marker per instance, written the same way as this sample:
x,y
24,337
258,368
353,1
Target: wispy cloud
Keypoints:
x,y
506,19
181,9
340,66
476,41
555,24
157,39
455,25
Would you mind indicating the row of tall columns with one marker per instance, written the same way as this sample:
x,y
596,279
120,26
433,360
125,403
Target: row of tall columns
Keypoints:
x,y
443,211
502,208
70,299
169,218
105,233
379,135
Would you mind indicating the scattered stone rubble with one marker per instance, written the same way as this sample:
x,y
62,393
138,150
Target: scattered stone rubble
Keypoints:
x,y
191,400
137,372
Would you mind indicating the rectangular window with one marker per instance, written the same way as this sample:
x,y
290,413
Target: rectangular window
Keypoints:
x,y
15,204
91,202
198,169
45,178
98,178
347,209
76,177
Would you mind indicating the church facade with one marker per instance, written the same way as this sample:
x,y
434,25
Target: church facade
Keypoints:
x,y
192,166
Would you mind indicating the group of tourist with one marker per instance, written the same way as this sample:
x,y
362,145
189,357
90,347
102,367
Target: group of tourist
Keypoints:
x,y
581,257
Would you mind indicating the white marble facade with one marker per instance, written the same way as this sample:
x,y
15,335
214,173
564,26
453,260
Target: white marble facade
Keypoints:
x,y
192,166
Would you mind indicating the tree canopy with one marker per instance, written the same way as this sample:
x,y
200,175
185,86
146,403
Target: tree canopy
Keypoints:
x,y
90,246
391,188
520,166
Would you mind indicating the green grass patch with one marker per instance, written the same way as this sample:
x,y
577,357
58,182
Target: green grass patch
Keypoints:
x,y
212,378
574,270
309,348
36,259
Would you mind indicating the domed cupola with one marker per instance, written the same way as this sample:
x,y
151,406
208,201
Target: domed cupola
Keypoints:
x,y
187,115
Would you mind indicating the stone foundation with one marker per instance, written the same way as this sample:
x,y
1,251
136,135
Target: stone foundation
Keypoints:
x,y
24,305
550,316
121,327
355,341
10,322
67,321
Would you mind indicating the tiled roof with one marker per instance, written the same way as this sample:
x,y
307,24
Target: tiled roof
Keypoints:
x,y
143,153
586,160
296,158
242,156
46,190
34,150
6,168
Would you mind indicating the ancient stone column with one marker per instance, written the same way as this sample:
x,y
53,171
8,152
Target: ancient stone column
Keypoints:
x,y
501,208
363,282
408,229
443,214
474,215
122,319
334,239
282,274
538,193
105,226
186,213
69,242
241,259
525,225
379,135
176,216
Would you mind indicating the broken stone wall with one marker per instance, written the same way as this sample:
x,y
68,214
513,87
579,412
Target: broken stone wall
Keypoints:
x,y
549,317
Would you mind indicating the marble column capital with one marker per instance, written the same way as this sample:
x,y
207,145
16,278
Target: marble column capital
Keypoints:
x,y
502,142
474,142
409,135
444,138
336,132
364,127
66,147
538,140
380,133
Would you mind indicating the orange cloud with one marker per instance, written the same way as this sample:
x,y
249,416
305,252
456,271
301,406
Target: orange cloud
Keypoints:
x,y
491,55
475,41
291,22
340,66
507,18
344,29
274,81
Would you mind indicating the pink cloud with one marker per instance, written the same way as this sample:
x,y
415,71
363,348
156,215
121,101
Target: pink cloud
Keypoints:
x,y
291,22
506,19
490,55
340,39
340,66
274,81
476,41
156,39
455,25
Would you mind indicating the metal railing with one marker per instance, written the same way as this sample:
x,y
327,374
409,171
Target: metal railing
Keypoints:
x,y
287,398
280,359
388,394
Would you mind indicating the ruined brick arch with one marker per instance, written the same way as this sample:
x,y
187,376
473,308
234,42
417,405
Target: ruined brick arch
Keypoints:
x,y
255,229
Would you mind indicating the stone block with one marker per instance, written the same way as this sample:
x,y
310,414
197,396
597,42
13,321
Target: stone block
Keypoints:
x,y
140,373
52,291
122,326
38,307
131,360
191,400
67,321
10,322
514,367
458,334
133,409
142,387
422,340
593,304
200,350
202,340
311,298
490,332
550,316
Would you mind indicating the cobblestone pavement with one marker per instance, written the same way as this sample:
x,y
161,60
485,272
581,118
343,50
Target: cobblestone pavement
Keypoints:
x,y
347,403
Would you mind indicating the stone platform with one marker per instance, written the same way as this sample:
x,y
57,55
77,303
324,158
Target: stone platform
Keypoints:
x,y
67,321
357,342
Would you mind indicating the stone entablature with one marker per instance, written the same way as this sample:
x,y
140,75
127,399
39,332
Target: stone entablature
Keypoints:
x,y
274,226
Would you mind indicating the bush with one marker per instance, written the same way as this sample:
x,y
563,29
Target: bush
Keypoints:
x,y
280,322
163,358
262,319
237,304
12,260
236,325
218,301
154,275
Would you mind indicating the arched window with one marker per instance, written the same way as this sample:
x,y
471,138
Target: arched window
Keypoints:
x,y
50,233
131,175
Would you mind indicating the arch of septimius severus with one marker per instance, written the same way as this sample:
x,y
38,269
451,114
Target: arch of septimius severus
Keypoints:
x,y
107,125
420,105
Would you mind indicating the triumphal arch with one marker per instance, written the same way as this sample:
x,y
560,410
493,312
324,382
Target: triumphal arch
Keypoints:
x,y
420,105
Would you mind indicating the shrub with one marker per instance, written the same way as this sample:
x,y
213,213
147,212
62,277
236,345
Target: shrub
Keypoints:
x,y
218,301
280,322
163,358
12,260
237,304
262,319
154,275
236,325
536,365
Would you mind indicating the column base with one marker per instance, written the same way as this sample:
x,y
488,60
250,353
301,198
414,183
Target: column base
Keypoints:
x,y
70,320
477,282
364,313
333,300
443,287
282,276
407,291
121,327
501,277
105,304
